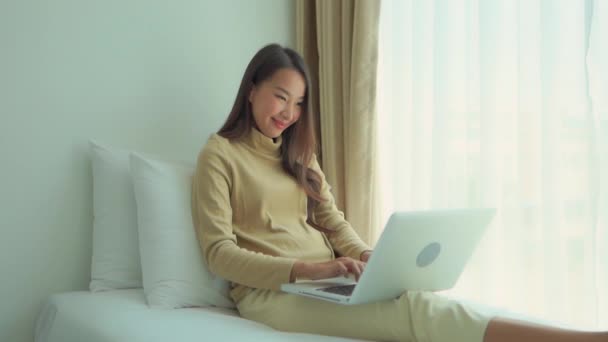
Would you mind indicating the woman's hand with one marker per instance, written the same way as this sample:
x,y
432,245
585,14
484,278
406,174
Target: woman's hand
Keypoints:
x,y
328,269
365,256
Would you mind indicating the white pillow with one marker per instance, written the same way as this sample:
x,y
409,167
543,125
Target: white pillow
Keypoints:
x,y
174,273
115,262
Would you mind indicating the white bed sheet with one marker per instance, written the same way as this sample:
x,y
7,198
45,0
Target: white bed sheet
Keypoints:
x,y
123,315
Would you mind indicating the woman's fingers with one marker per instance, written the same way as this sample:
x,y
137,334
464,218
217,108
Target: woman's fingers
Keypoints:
x,y
342,269
353,266
339,267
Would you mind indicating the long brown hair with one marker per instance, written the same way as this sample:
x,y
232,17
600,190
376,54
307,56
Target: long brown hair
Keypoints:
x,y
298,140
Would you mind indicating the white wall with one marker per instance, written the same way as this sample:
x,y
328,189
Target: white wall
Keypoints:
x,y
154,75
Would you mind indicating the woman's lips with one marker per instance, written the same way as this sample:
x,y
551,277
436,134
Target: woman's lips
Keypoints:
x,y
279,124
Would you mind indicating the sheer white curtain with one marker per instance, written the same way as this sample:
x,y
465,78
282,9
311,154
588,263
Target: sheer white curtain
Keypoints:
x,y
503,103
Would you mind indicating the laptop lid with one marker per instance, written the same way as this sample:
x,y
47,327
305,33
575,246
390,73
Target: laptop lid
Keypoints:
x,y
421,250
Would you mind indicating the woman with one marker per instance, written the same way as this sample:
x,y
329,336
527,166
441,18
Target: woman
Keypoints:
x,y
264,216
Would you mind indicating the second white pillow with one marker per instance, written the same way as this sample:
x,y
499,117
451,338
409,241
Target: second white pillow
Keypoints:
x,y
174,272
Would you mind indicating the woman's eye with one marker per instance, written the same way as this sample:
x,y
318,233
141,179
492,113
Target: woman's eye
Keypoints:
x,y
300,104
281,97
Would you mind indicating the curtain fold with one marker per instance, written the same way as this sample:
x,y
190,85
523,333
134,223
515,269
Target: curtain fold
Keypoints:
x,y
503,104
339,41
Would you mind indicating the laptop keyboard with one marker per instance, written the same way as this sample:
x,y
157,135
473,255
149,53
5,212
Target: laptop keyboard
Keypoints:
x,y
344,290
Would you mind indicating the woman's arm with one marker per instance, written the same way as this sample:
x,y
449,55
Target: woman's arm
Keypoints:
x,y
344,239
212,217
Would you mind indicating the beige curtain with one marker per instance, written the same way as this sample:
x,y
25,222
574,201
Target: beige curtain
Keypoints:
x,y
339,40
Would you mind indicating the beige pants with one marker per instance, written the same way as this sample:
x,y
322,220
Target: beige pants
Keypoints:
x,y
415,316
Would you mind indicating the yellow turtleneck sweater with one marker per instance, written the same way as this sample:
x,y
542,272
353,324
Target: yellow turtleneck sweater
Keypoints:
x,y
250,216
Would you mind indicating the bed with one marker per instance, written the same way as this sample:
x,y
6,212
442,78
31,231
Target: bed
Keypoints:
x,y
123,315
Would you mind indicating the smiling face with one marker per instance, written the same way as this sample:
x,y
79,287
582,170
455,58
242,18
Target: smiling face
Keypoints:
x,y
277,102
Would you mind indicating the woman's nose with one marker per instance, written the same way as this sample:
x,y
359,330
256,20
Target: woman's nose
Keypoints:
x,y
289,112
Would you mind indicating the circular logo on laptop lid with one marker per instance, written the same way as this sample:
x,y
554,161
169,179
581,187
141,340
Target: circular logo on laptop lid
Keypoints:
x,y
428,254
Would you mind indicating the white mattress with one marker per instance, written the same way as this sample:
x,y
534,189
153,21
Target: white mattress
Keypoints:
x,y
122,315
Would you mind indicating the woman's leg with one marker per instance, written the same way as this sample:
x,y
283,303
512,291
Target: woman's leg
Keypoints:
x,y
414,317
508,330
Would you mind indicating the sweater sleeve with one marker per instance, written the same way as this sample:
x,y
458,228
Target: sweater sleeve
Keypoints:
x,y
212,217
344,239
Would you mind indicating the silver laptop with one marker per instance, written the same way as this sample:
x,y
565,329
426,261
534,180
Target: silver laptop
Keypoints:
x,y
421,250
